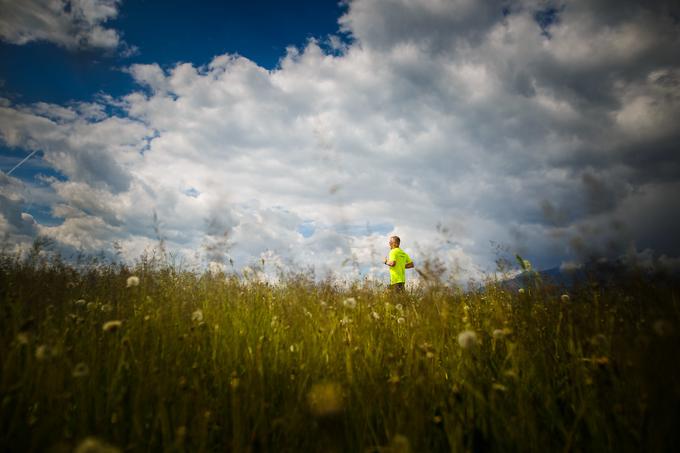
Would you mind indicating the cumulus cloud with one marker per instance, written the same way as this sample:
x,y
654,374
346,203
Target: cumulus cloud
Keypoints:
x,y
73,24
549,129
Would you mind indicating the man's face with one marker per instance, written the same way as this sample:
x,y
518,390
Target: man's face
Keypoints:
x,y
392,243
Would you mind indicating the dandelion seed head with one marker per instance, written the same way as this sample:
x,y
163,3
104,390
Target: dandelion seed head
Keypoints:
x,y
133,280
325,399
663,328
91,306
22,338
81,302
197,316
500,334
112,326
94,445
234,382
401,320
42,353
180,433
350,302
521,290
107,308
564,298
80,370
400,444
467,339
399,307
345,321
375,315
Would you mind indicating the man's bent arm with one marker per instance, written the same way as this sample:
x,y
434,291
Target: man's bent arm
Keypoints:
x,y
390,263
409,265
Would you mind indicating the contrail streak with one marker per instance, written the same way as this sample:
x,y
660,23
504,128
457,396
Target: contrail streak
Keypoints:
x,y
24,160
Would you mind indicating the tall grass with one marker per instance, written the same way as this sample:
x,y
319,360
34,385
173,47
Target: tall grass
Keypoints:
x,y
211,362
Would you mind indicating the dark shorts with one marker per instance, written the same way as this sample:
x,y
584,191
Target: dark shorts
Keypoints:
x,y
397,287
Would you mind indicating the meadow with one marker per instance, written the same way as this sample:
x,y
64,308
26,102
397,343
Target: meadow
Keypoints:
x,y
108,357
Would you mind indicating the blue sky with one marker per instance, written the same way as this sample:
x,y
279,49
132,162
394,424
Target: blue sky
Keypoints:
x,y
179,31
305,133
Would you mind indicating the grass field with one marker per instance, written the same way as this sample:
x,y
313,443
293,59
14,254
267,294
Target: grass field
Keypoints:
x,y
169,360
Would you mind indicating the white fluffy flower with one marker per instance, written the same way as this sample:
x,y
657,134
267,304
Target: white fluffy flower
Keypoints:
x,y
467,339
500,334
132,281
42,352
112,326
350,302
80,370
197,315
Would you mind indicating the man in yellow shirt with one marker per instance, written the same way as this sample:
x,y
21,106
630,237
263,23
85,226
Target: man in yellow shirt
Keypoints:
x,y
398,261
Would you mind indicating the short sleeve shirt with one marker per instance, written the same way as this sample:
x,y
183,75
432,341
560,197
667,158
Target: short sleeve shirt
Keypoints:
x,y
398,271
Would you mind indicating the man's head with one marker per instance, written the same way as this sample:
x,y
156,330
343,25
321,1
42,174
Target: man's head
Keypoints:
x,y
394,242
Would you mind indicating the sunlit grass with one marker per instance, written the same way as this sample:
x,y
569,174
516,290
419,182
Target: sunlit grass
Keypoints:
x,y
153,358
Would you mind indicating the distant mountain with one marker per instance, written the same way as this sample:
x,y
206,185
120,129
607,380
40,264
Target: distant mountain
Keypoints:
x,y
603,273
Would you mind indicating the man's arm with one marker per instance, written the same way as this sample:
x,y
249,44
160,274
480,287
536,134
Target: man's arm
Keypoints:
x,y
409,265
390,263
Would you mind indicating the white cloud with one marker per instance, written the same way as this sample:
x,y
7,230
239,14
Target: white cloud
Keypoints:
x,y
74,24
446,113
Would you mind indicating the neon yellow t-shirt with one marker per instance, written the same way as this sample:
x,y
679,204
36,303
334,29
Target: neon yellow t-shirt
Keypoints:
x,y
398,271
